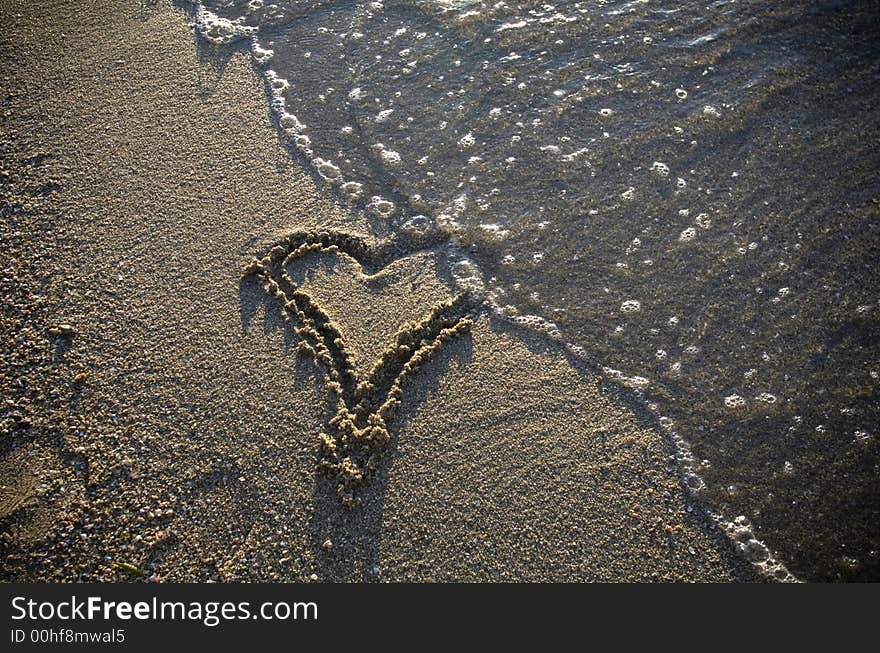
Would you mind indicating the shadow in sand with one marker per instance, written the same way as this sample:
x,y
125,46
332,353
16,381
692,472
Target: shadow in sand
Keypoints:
x,y
346,534
251,298
347,540
212,58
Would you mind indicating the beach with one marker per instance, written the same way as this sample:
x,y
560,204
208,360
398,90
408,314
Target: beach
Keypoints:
x,y
161,421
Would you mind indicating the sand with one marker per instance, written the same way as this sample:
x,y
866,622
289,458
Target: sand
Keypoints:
x,y
159,419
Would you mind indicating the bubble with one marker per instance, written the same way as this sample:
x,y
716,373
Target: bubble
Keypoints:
x,y
494,231
352,188
291,123
418,225
390,157
681,93
326,169
463,268
508,259
382,116
734,401
467,141
660,169
660,354
688,234
631,306
467,275
631,381
261,55
303,143
606,112
755,551
539,324
766,397
356,94
694,482
381,206
220,31
711,111
278,84
703,221
861,435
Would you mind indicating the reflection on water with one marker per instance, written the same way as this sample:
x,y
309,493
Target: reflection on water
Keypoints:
x,y
686,190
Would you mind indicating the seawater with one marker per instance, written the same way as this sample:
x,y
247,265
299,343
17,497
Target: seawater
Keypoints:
x,y
685,192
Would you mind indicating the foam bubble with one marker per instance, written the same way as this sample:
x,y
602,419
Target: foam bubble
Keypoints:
x,y
703,221
418,224
277,83
381,206
291,123
660,169
220,31
352,188
467,141
327,170
389,157
538,323
742,534
495,231
631,381
631,306
383,115
261,55
466,275
734,401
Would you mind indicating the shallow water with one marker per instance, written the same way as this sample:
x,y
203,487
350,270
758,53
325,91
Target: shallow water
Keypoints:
x,y
687,191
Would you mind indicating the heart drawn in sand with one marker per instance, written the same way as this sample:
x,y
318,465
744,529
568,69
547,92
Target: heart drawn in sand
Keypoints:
x,y
365,403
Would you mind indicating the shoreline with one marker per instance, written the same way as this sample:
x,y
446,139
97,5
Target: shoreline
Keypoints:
x,y
174,428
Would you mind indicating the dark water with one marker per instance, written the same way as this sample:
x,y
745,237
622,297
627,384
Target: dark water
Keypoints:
x,y
687,191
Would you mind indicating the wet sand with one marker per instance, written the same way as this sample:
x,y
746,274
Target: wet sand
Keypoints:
x,y
160,420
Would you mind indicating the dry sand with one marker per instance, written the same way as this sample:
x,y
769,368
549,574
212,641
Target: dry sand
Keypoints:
x,y
174,429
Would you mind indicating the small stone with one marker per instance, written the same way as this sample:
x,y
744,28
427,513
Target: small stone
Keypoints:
x,y
65,330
